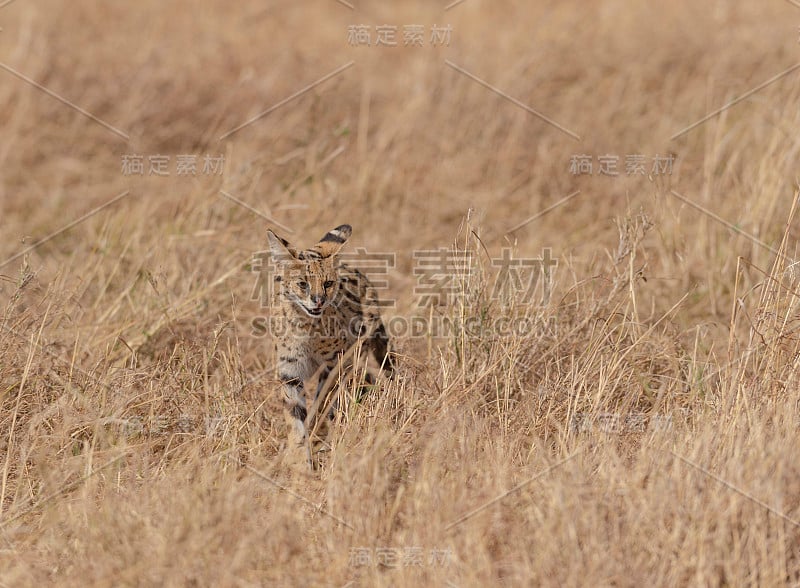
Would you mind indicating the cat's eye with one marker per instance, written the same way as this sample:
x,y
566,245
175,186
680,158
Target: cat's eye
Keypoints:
x,y
303,285
329,284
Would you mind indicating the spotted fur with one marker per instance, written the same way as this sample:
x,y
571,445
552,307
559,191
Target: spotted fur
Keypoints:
x,y
321,308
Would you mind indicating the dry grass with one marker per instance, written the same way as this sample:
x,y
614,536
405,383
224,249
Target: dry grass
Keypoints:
x,y
142,313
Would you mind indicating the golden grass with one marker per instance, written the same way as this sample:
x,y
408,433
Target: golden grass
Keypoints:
x,y
647,437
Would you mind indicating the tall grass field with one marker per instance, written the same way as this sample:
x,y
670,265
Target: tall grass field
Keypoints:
x,y
581,217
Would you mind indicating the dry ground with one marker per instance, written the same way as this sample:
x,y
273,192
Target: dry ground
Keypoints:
x,y
647,436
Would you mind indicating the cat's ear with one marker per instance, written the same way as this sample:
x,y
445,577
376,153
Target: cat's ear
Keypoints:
x,y
333,240
280,248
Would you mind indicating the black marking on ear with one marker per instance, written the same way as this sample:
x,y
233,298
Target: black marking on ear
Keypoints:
x,y
338,235
281,239
332,238
275,243
310,254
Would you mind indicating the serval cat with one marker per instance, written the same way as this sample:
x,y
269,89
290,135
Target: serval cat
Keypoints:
x,y
321,308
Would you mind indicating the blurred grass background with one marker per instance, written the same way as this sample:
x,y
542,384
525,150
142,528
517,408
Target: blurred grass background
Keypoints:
x,y
142,313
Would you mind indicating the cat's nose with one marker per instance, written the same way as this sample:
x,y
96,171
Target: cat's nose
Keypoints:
x,y
317,299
